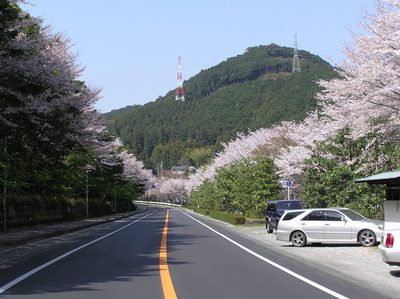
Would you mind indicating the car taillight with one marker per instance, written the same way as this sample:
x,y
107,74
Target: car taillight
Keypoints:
x,y
389,241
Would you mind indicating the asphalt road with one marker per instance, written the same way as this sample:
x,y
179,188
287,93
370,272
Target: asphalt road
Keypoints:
x,y
200,259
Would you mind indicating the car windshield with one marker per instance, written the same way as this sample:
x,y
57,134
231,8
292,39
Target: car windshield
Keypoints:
x,y
352,214
289,205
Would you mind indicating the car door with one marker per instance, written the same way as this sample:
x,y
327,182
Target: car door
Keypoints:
x,y
271,213
336,228
313,224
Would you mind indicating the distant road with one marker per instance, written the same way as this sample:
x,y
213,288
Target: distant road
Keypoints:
x,y
171,254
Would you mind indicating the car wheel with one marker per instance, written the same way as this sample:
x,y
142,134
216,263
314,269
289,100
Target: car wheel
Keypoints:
x,y
367,238
298,239
269,229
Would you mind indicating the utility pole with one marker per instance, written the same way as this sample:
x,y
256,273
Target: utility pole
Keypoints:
x,y
115,198
87,193
115,188
87,169
5,188
289,184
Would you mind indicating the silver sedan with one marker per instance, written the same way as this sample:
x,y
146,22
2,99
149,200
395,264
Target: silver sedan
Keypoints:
x,y
333,225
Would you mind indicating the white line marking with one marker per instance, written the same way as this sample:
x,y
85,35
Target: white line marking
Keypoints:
x,y
30,273
290,272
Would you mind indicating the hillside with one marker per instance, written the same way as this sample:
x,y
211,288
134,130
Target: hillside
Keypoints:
x,y
246,92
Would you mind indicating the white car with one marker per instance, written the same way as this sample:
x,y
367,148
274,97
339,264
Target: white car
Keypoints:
x,y
330,225
389,249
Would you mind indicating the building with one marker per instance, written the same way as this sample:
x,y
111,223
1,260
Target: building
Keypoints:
x,y
178,170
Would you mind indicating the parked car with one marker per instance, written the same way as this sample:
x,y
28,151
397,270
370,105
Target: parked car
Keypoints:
x,y
275,210
389,249
333,225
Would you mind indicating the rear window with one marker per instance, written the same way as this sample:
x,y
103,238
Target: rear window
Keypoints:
x,y
289,205
291,215
271,208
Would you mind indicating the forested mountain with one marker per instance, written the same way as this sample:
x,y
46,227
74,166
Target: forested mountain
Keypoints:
x,y
246,92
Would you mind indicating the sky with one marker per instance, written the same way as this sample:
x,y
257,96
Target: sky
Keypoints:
x,y
130,48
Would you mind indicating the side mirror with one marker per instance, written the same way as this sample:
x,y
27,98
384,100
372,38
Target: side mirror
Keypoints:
x,y
344,219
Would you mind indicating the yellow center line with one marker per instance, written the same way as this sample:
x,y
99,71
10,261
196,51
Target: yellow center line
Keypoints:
x,y
166,282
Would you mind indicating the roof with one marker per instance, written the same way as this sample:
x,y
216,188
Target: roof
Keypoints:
x,y
389,178
284,200
178,167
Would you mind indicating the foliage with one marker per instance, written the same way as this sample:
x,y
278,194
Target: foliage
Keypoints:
x,y
367,93
244,187
51,135
205,197
31,210
371,73
168,153
246,92
227,217
220,215
331,171
197,156
363,96
202,211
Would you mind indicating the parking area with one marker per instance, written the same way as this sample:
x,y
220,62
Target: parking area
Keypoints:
x,y
362,264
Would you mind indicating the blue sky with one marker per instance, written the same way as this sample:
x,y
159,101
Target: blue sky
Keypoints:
x,y
130,48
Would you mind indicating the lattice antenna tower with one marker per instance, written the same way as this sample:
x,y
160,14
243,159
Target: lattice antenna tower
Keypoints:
x,y
296,62
180,92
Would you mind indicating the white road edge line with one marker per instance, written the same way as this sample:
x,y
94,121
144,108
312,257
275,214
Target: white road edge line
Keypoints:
x,y
30,273
290,272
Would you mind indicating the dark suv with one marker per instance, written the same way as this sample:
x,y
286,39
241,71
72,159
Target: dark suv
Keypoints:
x,y
275,210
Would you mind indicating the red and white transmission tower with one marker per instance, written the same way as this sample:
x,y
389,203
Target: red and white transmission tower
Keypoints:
x,y
180,92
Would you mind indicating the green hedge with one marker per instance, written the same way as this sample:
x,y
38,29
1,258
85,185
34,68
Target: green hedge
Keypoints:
x,y
224,216
202,211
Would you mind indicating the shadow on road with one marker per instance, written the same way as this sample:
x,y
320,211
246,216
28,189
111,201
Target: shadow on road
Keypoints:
x,y
128,259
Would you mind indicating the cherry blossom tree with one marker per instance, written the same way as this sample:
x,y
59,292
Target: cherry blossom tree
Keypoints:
x,y
40,95
173,190
364,97
370,73
46,113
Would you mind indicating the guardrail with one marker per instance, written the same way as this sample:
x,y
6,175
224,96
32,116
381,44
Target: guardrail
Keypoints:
x,y
156,203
